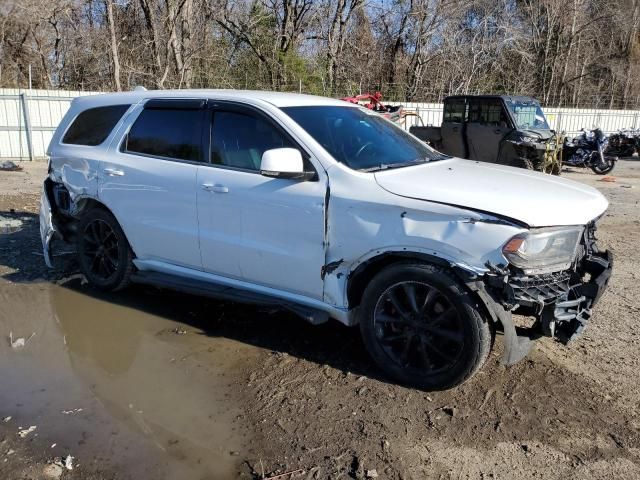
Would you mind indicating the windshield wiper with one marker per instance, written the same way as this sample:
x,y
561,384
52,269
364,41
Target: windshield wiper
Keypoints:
x,y
389,166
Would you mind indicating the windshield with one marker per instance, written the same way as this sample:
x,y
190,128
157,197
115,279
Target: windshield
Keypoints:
x,y
360,138
528,115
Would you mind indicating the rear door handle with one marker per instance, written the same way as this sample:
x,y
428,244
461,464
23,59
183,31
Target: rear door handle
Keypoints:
x,y
113,172
217,188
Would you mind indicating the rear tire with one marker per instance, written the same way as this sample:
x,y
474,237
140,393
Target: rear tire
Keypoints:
x,y
104,253
422,327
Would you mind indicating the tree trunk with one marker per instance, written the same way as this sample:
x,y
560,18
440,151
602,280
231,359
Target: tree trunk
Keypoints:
x,y
115,60
154,35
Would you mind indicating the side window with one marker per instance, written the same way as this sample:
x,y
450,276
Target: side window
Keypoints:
x,y
170,132
454,111
93,126
238,140
489,112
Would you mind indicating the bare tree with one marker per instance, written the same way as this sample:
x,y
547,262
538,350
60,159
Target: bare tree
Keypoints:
x,y
114,45
564,52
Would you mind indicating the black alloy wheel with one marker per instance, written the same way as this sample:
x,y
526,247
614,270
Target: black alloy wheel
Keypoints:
x,y
422,327
104,254
101,249
418,327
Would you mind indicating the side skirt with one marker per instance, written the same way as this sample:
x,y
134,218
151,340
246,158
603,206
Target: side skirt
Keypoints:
x,y
196,282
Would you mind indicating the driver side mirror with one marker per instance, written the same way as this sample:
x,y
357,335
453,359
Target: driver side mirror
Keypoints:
x,y
284,163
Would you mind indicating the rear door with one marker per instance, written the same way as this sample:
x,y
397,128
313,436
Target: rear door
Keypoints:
x,y
453,127
149,181
267,231
487,125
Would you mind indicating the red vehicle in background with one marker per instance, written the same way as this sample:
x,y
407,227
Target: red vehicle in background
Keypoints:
x,y
374,102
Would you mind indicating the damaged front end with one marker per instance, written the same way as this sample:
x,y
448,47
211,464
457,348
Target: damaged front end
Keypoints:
x,y
560,302
533,151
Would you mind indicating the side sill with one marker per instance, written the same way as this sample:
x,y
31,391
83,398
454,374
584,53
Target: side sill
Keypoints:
x,y
163,274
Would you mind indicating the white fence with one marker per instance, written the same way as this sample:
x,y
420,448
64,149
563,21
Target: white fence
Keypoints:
x,y
28,119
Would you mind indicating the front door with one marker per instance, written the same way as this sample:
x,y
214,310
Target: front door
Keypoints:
x,y
452,128
487,125
149,182
263,230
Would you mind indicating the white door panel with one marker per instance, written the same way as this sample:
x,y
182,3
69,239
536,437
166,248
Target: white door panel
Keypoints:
x,y
155,202
264,230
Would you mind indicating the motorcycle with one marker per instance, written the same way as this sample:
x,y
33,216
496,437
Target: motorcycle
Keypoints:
x,y
624,143
587,150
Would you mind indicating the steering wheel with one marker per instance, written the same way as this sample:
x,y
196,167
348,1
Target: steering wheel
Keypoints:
x,y
363,148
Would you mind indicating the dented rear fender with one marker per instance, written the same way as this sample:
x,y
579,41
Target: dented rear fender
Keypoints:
x,y
47,229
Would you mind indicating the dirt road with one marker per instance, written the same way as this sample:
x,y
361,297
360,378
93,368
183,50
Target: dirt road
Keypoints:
x,y
155,384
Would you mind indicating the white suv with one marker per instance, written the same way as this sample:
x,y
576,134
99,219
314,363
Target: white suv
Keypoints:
x,y
329,210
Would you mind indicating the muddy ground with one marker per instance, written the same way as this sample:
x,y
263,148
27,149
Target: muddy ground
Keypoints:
x,y
155,384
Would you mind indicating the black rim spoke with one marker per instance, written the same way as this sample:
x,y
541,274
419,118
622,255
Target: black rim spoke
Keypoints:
x,y
450,335
394,338
418,327
406,349
100,226
91,240
95,262
429,298
410,292
443,317
387,319
424,354
391,295
435,349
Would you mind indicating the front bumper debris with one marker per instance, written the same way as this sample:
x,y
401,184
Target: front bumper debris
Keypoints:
x,y
561,302
567,318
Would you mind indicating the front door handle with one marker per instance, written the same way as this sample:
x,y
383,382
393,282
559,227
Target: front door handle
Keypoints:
x,y
113,172
497,131
217,188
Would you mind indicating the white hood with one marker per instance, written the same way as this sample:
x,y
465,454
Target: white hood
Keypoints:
x,y
533,198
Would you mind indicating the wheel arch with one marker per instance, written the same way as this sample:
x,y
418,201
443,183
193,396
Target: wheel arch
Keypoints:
x,y
359,277
84,204
69,217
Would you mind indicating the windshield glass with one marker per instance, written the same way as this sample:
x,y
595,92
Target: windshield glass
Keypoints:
x,y
360,138
528,115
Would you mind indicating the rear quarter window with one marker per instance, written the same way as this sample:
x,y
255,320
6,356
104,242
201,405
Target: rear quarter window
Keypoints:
x,y
93,126
169,133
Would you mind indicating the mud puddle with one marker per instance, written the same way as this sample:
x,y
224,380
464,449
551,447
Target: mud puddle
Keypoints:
x,y
121,383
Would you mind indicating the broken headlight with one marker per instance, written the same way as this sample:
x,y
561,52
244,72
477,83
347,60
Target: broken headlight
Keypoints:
x,y
530,141
543,250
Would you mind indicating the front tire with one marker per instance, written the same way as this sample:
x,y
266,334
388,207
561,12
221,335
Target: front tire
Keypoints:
x,y
422,327
603,170
104,254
